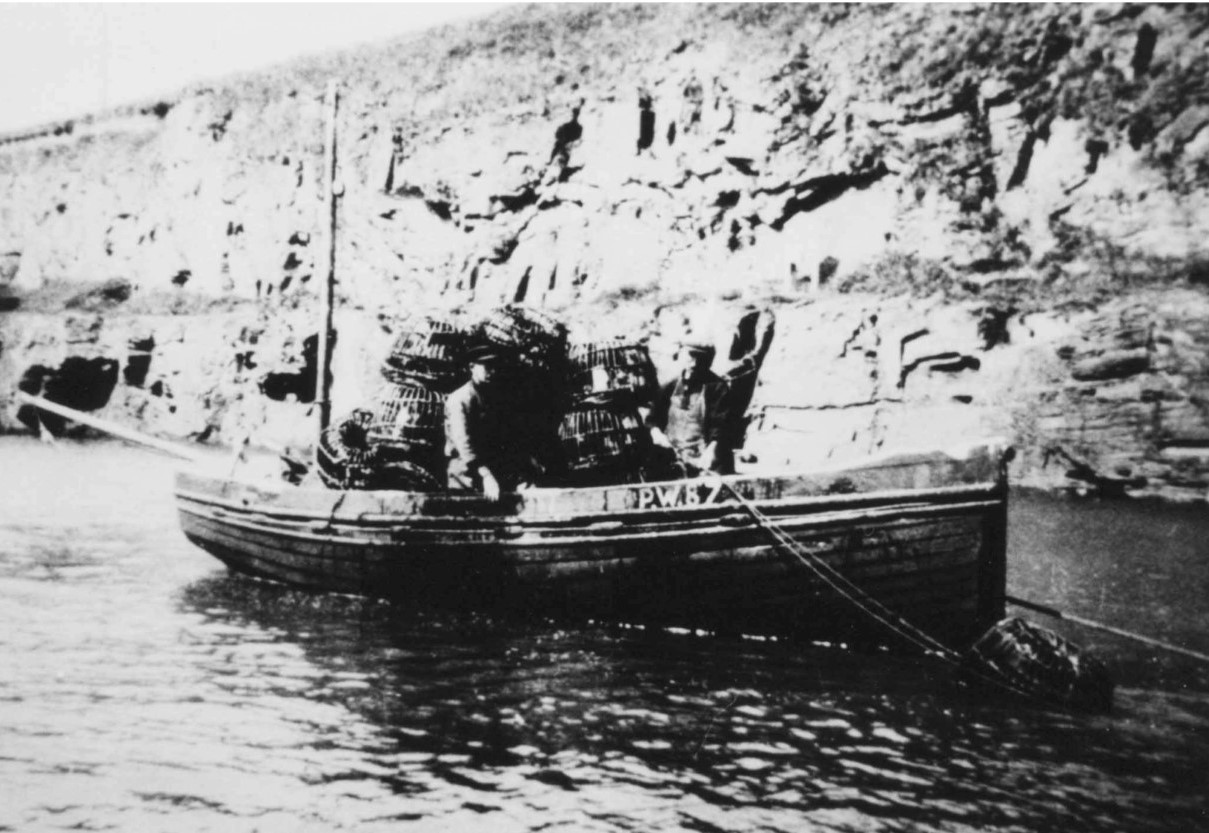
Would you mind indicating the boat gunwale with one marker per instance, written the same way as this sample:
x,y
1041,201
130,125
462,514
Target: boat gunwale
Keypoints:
x,y
418,520
989,450
619,535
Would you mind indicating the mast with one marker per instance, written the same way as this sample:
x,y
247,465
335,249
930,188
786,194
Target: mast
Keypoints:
x,y
327,260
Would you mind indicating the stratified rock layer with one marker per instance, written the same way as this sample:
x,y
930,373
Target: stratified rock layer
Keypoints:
x,y
969,220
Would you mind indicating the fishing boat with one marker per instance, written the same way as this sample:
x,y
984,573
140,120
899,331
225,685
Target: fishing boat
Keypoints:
x,y
922,535
909,543
907,546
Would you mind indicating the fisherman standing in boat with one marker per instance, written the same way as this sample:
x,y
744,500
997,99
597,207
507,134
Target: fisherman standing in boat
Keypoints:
x,y
692,413
749,344
481,441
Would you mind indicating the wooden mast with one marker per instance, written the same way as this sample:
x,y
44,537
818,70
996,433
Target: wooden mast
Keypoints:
x,y
327,260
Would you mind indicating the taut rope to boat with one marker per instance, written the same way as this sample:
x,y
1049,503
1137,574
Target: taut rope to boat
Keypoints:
x,y
1100,626
845,587
879,612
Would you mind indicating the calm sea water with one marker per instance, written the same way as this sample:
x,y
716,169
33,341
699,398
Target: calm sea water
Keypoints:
x,y
143,688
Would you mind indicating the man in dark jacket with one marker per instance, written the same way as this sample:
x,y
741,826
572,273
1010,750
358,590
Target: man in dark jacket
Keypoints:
x,y
691,413
482,440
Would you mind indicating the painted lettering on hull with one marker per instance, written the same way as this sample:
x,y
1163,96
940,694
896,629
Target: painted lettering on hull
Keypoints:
x,y
672,495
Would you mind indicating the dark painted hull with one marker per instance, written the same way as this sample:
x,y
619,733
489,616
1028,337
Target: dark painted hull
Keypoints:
x,y
923,534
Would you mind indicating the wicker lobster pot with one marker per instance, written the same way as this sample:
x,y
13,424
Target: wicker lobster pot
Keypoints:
x,y
429,353
610,371
539,339
349,458
408,426
602,443
345,458
1044,664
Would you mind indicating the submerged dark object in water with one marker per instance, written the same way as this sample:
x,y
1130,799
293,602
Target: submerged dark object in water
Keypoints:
x,y
1041,663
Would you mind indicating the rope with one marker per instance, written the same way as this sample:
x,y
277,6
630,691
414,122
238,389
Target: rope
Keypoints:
x,y
1100,626
875,609
845,587
848,590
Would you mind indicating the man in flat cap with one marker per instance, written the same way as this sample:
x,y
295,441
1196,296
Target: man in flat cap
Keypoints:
x,y
483,443
692,413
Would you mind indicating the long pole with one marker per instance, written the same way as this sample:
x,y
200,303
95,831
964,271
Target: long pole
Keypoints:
x,y
328,252
1100,626
109,427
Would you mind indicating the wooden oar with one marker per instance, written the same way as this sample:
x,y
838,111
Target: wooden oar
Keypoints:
x,y
113,428
1100,626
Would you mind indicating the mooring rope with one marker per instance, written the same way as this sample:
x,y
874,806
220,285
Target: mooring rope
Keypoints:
x,y
845,586
864,602
1100,626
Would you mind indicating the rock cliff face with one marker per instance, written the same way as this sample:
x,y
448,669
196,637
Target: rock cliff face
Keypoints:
x,y
969,221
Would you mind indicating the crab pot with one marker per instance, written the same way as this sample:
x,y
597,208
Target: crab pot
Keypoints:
x,y
345,457
602,443
608,371
1043,664
408,425
430,353
538,339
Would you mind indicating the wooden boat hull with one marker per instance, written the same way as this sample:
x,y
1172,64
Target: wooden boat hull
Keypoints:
x,y
924,534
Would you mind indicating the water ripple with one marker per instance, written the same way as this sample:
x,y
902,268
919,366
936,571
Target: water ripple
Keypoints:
x,y
141,688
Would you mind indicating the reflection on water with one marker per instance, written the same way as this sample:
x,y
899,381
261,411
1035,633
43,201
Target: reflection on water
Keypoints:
x,y
142,688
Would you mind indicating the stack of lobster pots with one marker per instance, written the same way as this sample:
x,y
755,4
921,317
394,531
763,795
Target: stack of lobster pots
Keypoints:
x,y
602,436
574,407
397,441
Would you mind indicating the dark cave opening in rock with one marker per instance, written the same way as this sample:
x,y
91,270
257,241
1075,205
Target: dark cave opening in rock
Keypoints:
x,y
301,385
1143,51
946,362
78,383
821,190
993,327
138,361
1024,158
567,134
646,123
